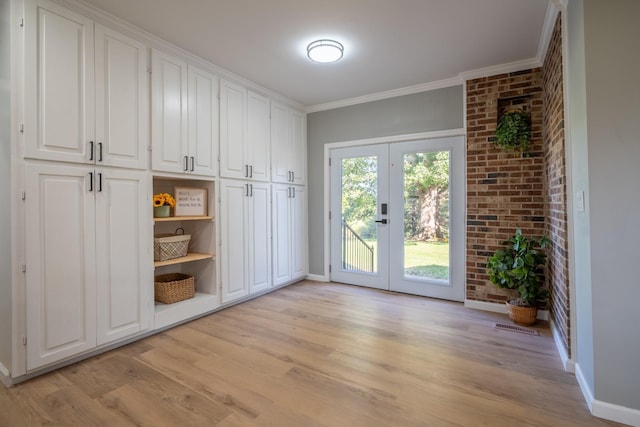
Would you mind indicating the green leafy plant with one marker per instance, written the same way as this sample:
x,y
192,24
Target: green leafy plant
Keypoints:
x,y
514,131
520,267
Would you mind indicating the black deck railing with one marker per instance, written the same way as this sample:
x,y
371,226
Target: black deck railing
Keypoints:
x,y
356,253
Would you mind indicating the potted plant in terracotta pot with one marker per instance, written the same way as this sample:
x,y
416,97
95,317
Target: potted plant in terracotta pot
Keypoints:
x,y
520,266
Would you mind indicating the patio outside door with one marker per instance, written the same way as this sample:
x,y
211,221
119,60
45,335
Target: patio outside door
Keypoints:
x,y
397,217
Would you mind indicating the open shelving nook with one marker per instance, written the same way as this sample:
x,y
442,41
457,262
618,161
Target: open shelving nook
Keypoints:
x,y
200,260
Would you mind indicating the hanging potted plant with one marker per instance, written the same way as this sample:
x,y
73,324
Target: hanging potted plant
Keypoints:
x,y
520,266
514,131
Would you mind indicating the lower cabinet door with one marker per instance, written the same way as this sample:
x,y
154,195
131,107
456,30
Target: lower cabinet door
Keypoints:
x,y
281,234
233,228
60,255
124,267
298,215
259,243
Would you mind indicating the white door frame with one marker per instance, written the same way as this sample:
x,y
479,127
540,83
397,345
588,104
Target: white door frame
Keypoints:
x,y
381,140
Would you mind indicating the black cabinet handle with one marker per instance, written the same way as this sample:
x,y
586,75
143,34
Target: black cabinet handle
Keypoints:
x,y
90,181
251,186
251,171
186,163
90,150
100,181
193,161
99,151
382,221
294,192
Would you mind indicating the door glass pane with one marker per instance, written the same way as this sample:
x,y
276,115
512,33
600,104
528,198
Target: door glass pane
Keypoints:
x,y
359,203
426,215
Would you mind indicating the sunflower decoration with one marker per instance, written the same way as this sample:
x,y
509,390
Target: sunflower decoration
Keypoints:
x,y
162,199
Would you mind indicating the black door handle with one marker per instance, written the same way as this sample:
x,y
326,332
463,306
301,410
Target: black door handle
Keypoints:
x,y
382,221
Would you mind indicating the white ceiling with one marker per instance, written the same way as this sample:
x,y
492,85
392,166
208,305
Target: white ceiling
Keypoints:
x,y
389,44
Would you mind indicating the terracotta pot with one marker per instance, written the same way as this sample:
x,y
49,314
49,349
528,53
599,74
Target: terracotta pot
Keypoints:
x,y
522,315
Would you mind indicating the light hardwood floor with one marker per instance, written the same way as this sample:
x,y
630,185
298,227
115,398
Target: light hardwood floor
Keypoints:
x,y
315,354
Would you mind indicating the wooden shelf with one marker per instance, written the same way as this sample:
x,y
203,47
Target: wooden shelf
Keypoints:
x,y
184,218
189,258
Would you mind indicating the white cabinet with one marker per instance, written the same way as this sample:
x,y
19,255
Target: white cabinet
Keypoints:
x,y
244,133
86,258
246,266
86,90
288,145
184,128
289,233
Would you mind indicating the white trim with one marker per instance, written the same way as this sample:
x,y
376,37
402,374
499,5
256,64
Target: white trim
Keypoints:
x,y
498,308
547,31
5,377
568,364
620,414
584,387
318,278
511,67
424,87
380,140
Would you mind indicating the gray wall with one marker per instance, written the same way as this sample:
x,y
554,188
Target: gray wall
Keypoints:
x,y
5,186
421,112
605,147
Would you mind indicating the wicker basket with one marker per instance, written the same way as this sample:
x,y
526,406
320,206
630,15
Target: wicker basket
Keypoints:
x,y
522,315
174,287
169,246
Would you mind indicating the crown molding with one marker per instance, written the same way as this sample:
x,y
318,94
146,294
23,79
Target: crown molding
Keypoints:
x,y
424,87
547,29
510,67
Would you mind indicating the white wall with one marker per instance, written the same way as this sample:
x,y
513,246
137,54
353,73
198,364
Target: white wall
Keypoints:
x,y
5,186
604,123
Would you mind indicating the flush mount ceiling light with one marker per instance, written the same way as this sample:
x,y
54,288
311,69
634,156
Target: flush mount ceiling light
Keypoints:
x,y
325,51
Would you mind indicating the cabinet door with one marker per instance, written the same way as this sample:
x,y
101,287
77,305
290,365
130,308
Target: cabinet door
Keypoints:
x,y
281,235
60,253
233,227
298,232
203,122
233,109
123,261
258,146
59,78
298,147
280,143
169,130
259,243
122,106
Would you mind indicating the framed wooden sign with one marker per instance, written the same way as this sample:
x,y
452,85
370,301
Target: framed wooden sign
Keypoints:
x,y
191,201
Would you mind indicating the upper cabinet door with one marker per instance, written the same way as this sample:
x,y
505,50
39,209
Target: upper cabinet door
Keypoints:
x,y
233,110
169,130
203,122
280,143
59,78
299,147
122,106
258,146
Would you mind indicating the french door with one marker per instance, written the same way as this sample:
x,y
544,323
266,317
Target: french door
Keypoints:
x,y
397,217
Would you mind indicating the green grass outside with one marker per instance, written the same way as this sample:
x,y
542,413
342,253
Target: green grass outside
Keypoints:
x,y
425,259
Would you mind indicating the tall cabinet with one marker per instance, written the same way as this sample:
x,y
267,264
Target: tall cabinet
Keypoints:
x,y
86,120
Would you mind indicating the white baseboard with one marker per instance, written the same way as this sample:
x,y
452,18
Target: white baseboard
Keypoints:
x,y
584,387
569,364
498,308
617,413
317,278
606,410
5,376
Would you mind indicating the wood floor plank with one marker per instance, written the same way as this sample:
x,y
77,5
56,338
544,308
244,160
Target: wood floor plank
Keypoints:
x,y
316,354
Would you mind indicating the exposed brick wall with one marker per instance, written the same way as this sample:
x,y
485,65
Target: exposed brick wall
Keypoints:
x,y
505,190
556,203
